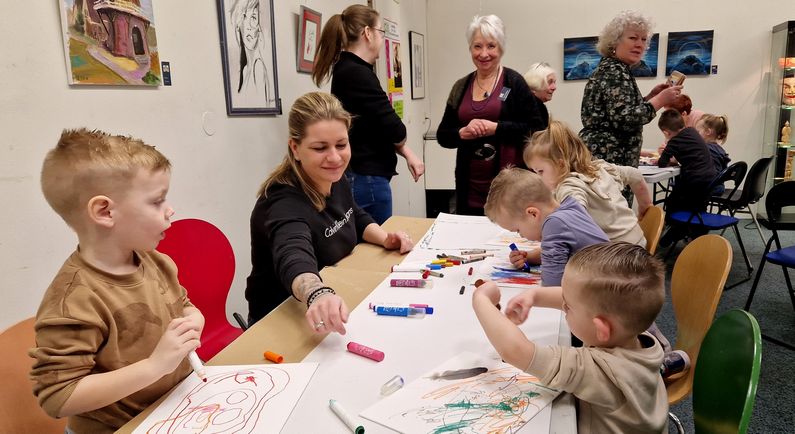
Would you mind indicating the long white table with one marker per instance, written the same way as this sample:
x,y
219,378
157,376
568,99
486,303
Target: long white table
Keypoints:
x,y
660,178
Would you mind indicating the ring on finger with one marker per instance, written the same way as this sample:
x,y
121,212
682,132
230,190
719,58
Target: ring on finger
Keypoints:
x,y
320,324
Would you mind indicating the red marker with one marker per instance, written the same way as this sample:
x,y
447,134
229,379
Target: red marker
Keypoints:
x,y
470,271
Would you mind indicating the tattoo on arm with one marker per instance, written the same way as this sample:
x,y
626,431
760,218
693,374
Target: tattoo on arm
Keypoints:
x,y
304,284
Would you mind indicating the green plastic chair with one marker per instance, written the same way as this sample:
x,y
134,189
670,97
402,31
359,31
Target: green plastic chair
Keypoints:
x,y
726,375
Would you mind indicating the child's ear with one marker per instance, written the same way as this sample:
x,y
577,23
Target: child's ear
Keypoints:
x,y
99,210
603,327
532,212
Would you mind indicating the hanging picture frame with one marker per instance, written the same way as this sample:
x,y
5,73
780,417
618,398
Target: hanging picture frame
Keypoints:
x,y
308,39
689,52
417,64
248,56
580,57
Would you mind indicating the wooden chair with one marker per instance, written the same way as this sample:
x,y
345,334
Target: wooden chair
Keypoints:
x,y
727,375
19,411
652,225
697,283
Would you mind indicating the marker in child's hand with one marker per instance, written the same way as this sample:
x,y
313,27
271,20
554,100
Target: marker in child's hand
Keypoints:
x,y
196,364
525,266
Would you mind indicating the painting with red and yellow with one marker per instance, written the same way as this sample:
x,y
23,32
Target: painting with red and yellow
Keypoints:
x,y
110,42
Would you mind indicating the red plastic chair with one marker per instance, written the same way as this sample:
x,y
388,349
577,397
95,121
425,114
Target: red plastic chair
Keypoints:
x,y
206,266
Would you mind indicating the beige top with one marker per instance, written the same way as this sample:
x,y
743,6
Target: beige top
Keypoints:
x,y
618,390
602,198
91,322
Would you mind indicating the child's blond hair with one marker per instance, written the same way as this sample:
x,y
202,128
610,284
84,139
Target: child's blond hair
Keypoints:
x,y
622,280
718,124
513,190
561,146
87,163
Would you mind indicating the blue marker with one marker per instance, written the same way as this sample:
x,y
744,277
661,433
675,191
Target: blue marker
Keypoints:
x,y
410,312
526,266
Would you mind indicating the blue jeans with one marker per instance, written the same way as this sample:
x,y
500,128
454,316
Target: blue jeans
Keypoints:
x,y
373,194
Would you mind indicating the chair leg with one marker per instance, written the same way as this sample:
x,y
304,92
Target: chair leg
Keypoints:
x,y
679,428
778,342
756,222
789,286
753,287
240,321
745,256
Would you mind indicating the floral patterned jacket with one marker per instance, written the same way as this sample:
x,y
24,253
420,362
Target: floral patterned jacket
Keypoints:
x,y
613,113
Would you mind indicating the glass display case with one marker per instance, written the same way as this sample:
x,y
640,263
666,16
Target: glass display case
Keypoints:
x,y
778,136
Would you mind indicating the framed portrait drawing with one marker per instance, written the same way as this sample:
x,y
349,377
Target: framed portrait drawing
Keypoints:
x,y
308,39
248,55
417,64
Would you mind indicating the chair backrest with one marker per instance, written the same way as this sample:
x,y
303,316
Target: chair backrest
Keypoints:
x,y
652,224
735,173
19,410
755,182
697,282
781,195
724,388
206,267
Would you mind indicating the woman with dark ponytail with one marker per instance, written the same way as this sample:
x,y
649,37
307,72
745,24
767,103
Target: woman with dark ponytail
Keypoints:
x,y
349,46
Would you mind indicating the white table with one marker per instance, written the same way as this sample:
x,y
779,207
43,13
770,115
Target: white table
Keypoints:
x,y
660,178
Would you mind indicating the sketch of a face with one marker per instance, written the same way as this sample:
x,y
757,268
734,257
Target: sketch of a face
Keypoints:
x,y
250,26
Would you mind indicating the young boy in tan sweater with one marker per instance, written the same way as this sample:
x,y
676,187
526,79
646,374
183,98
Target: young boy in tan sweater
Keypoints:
x,y
610,294
115,326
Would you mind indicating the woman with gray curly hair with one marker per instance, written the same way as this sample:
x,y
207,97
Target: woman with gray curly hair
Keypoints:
x,y
613,110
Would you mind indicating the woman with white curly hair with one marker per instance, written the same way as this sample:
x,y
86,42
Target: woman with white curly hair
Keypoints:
x,y
613,110
542,81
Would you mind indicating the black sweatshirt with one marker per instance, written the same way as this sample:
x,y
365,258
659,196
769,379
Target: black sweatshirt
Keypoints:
x,y
376,127
693,156
290,237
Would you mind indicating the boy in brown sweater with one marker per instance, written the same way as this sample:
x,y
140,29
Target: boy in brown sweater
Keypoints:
x,y
610,295
115,326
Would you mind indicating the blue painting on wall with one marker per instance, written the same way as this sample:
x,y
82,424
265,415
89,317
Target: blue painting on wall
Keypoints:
x,y
689,52
580,57
648,64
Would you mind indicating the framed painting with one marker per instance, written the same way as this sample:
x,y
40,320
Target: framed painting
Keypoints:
x,y
308,39
689,52
580,57
417,64
648,63
108,44
248,56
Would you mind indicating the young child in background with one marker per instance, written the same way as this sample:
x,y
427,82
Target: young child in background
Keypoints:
x,y
714,130
115,326
565,164
519,201
611,293
690,190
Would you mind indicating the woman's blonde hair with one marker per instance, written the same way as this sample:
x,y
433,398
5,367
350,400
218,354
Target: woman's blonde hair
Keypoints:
x,y
307,109
340,32
611,34
718,124
560,145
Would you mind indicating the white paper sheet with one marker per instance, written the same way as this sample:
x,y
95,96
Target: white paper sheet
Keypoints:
x,y
458,396
235,399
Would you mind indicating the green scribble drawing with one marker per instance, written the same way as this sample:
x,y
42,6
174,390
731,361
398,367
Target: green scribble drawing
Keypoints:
x,y
453,427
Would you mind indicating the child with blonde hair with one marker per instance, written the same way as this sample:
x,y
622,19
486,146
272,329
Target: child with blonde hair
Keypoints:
x,y
610,295
565,163
115,326
714,129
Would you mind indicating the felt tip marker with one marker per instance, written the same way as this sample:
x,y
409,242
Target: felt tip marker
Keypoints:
x,y
428,309
197,365
409,312
345,417
273,357
434,273
365,351
410,283
525,266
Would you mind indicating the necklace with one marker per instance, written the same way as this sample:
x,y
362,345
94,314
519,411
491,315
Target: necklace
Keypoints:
x,y
486,91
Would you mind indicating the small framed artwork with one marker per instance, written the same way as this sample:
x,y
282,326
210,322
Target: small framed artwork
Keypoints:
x,y
689,52
308,39
580,57
417,62
248,55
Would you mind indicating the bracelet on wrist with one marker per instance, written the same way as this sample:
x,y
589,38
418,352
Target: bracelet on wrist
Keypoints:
x,y
317,293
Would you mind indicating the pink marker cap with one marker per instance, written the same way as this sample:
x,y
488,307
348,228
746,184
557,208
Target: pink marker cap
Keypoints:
x,y
365,351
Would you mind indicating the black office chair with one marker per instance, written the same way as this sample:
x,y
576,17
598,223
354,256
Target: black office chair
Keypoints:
x,y
780,196
752,191
701,222
734,173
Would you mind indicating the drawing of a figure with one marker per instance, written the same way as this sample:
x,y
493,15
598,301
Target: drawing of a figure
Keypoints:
x,y
397,70
253,87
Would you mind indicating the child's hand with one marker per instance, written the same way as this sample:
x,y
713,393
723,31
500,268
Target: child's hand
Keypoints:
x,y
181,336
518,258
489,290
519,307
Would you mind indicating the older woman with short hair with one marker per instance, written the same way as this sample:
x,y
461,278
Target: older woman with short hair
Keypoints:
x,y
488,115
613,110
542,81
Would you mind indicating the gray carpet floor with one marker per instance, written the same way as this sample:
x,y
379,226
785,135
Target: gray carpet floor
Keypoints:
x,y
774,410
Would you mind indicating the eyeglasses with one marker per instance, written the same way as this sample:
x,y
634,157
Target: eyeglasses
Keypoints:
x,y
383,32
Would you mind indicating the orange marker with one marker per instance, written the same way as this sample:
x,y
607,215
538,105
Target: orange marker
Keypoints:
x,y
273,357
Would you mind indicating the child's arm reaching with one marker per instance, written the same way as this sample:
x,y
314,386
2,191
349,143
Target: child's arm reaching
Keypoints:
x,y
521,257
518,308
512,345
641,191
98,390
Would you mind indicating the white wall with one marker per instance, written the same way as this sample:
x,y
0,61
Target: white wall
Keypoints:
x,y
535,32
214,177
